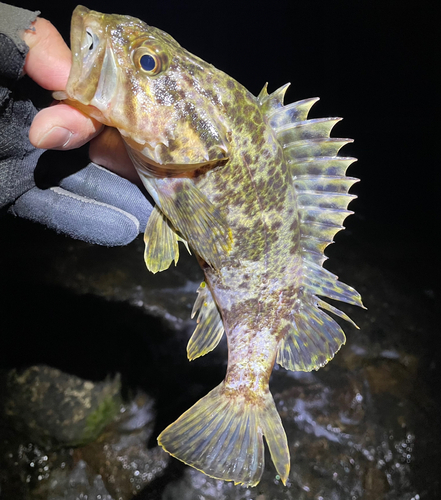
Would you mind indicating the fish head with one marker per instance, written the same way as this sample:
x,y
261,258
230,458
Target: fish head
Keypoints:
x,y
138,79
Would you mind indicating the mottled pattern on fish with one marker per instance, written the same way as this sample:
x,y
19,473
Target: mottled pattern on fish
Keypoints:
x,y
257,191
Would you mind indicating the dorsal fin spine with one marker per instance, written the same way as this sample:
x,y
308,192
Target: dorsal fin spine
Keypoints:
x,y
294,112
322,201
270,103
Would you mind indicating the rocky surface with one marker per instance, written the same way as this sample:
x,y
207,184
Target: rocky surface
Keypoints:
x,y
360,428
53,408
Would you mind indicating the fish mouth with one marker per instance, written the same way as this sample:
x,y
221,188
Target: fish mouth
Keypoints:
x,y
93,78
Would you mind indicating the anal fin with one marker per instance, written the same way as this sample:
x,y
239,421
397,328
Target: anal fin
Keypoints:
x,y
210,329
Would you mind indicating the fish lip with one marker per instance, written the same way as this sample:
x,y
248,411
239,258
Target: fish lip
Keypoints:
x,y
76,33
88,46
77,27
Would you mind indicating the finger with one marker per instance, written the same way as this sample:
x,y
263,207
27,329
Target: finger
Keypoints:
x,y
62,127
49,59
108,150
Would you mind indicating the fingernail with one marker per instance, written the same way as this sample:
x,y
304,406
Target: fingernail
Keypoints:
x,y
57,137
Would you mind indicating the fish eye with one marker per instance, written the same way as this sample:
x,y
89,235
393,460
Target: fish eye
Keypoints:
x,y
147,61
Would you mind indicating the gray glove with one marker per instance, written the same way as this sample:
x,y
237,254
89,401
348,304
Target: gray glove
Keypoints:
x,y
91,204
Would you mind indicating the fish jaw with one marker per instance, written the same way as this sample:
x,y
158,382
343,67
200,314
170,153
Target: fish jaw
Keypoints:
x,y
93,82
102,49
163,132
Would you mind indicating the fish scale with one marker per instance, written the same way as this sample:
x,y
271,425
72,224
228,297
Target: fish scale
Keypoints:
x,y
257,191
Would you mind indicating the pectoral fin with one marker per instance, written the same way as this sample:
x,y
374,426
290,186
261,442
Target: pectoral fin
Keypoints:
x,y
189,211
161,242
193,215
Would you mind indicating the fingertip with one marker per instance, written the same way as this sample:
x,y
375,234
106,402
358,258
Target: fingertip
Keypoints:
x,y
62,127
49,58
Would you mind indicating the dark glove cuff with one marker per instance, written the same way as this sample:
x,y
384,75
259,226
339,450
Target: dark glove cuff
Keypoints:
x,y
11,62
13,22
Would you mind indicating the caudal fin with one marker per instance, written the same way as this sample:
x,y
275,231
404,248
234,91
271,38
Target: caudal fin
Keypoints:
x,y
221,435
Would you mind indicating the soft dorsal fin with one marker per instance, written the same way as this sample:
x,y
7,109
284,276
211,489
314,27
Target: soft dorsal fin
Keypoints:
x,y
322,199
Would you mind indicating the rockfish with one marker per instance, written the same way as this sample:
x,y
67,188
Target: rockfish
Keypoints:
x,y
257,192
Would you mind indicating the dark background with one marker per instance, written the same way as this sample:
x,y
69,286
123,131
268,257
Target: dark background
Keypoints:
x,y
374,63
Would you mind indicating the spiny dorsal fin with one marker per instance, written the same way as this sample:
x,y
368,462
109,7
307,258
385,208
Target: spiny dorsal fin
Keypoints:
x,y
292,113
280,115
318,173
210,328
322,200
271,102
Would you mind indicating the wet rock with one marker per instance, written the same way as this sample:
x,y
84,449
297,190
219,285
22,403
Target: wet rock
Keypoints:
x,y
25,468
169,296
80,483
375,483
121,456
388,376
360,428
117,465
53,408
195,484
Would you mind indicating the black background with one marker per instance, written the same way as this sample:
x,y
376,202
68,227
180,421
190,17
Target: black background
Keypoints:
x,y
374,63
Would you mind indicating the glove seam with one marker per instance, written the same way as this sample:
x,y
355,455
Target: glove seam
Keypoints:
x,y
74,196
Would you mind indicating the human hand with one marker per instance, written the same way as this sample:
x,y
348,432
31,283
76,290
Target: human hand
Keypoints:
x,y
92,204
61,126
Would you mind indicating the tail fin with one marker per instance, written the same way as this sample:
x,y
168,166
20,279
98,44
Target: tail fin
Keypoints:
x,y
221,435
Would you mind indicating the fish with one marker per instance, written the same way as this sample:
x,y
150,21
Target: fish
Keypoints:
x,y
257,191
